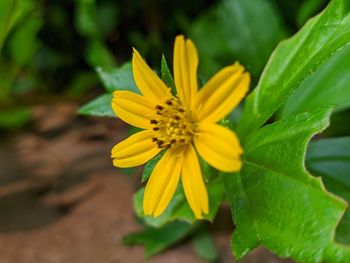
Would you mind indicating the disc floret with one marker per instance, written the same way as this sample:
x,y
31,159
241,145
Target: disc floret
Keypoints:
x,y
172,125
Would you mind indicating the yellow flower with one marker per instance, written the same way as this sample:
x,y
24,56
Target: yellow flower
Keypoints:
x,y
182,124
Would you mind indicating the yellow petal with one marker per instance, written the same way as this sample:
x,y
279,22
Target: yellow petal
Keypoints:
x,y
185,69
150,85
132,108
135,150
221,94
219,146
192,181
162,183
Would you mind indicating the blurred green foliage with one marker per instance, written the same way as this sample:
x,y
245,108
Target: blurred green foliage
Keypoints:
x,y
54,46
237,30
21,21
156,240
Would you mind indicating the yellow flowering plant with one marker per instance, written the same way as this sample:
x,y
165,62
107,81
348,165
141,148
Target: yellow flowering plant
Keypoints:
x,y
285,193
183,124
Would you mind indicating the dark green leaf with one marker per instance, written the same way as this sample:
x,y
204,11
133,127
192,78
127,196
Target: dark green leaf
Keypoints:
x,y
118,78
101,106
204,245
340,125
86,18
108,16
208,172
11,12
128,171
25,32
330,159
294,60
147,171
7,77
14,118
237,30
166,75
276,203
132,130
308,8
82,82
179,208
156,240
98,55
329,85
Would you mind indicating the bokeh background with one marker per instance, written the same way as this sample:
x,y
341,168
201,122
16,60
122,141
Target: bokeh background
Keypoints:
x,y
60,198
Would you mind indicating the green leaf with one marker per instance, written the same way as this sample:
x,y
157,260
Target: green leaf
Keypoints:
x,y
7,76
82,82
307,9
25,32
98,55
237,30
101,106
108,16
86,18
276,203
118,78
329,85
294,60
14,118
179,208
113,79
11,12
166,75
147,171
156,240
340,124
208,172
330,159
204,245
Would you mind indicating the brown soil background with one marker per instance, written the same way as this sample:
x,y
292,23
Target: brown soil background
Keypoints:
x,y
61,200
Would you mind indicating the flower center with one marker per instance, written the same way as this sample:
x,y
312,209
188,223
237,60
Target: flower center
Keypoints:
x,y
172,125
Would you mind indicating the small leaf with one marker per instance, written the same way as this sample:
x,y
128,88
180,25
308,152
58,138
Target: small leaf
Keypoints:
x,y
147,171
25,32
81,83
98,54
204,245
156,240
100,106
108,17
208,172
14,118
86,18
11,13
118,78
166,75
127,171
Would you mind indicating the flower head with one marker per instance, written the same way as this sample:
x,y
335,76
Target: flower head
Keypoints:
x,y
182,124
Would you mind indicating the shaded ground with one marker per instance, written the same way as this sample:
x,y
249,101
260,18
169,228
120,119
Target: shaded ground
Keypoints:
x,y
62,201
